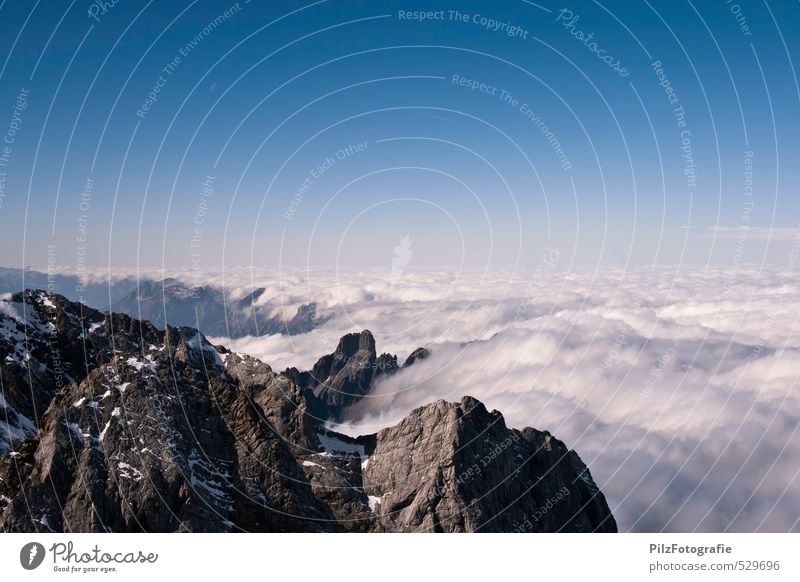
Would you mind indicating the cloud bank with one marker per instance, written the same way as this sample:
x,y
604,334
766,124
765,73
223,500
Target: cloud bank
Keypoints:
x,y
678,388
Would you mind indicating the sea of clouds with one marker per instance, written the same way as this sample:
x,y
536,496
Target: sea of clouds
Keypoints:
x,y
677,387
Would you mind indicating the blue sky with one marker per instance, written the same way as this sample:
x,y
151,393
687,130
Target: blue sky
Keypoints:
x,y
273,98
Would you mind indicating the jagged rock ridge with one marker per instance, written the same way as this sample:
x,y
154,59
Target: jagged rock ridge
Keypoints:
x,y
158,430
340,379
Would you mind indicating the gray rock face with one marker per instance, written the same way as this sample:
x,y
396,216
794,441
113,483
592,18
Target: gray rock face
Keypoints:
x,y
46,343
160,431
385,365
164,438
339,379
416,356
454,467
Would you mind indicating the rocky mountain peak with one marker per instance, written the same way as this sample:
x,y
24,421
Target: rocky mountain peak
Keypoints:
x,y
341,378
352,344
416,356
461,452
115,425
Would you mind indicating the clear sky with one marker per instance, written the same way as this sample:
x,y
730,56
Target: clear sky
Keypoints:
x,y
280,133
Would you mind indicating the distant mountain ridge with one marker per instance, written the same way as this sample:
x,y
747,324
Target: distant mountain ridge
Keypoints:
x,y
117,425
174,302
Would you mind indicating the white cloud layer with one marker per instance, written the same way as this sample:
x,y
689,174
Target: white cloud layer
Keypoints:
x,y
679,389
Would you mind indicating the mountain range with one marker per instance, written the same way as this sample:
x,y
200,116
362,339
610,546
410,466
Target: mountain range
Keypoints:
x,y
112,424
171,301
